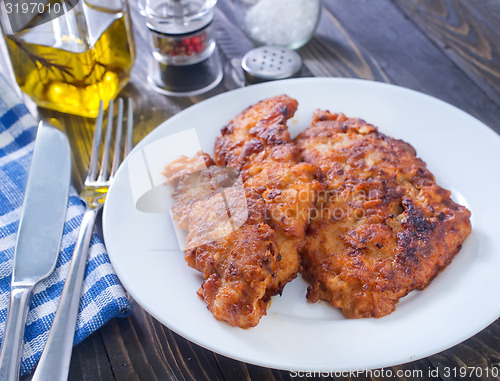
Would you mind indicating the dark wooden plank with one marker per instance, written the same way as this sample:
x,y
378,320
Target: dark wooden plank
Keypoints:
x,y
140,348
421,370
236,370
417,371
479,352
333,52
461,90
89,361
407,57
467,31
362,39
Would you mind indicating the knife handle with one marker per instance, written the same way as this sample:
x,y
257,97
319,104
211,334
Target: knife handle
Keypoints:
x,y
12,344
56,356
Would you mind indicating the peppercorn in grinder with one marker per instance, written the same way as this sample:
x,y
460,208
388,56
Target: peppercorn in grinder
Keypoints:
x,y
184,59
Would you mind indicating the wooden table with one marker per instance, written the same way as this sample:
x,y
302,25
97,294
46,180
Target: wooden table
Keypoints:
x,y
446,48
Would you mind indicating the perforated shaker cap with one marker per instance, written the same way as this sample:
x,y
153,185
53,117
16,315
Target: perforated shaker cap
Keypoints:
x,y
267,63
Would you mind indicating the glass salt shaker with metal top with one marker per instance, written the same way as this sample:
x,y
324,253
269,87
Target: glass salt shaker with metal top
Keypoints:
x,y
287,23
184,57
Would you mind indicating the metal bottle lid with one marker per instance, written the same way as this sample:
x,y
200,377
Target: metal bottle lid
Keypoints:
x,y
268,63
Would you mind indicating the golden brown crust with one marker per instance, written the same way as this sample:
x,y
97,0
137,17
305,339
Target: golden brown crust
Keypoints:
x,y
239,267
245,267
184,166
378,226
257,143
383,227
229,240
256,129
193,180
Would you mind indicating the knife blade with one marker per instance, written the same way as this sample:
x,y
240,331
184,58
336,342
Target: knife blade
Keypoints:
x,y
39,236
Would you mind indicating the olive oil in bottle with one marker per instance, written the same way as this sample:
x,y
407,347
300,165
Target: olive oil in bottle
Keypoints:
x,y
72,62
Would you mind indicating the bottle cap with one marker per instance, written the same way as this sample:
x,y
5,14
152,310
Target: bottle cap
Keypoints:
x,y
268,63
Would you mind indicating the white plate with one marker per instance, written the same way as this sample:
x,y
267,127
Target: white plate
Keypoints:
x,y
462,152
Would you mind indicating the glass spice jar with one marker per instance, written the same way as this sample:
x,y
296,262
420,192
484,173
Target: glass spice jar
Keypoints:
x,y
288,23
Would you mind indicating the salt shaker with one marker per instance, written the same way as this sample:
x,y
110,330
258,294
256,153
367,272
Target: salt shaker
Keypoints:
x,y
287,23
184,57
270,63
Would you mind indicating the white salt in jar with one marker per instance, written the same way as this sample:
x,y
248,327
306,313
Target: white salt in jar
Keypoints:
x,y
289,23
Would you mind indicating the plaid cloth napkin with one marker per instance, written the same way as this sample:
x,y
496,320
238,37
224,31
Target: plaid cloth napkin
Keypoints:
x,y
103,297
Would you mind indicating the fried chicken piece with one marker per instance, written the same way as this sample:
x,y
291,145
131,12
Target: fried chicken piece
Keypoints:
x,y
229,240
258,144
383,226
195,179
184,166
240,267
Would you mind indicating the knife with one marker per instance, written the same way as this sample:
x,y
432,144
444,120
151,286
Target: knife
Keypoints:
x,y
39,236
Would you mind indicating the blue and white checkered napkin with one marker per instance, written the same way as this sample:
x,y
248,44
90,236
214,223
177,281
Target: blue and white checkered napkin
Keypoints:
x,y
103,296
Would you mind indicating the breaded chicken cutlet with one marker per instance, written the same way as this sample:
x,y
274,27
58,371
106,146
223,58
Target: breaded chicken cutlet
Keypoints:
x,y
353,209
229,243
257,143
383,226
239,267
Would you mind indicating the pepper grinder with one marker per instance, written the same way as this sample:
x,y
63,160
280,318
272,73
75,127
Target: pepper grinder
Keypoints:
x,y
184,59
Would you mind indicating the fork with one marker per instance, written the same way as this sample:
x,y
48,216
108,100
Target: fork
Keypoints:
x,y
55,360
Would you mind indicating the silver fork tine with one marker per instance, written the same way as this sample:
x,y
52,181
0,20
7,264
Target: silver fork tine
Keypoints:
x,y
118,139
130,125
103,174
96,144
